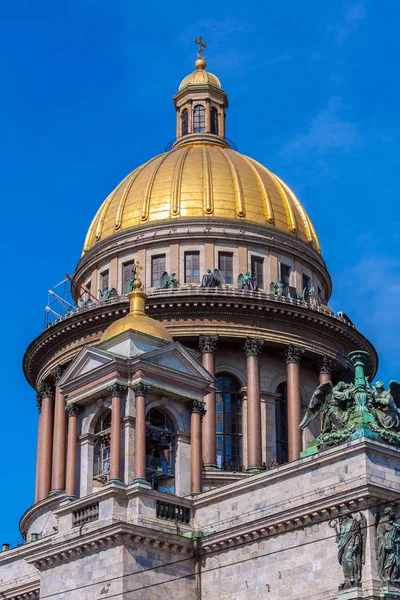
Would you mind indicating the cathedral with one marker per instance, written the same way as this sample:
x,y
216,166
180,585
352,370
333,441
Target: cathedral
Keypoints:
x,y
207,424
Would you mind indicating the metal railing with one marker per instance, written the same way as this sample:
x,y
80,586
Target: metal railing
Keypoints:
x,y
173,512
86,514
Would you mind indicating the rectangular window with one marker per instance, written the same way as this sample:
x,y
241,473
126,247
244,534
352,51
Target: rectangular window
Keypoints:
x,y
257,270
306,283
192,267
127,269
157,269
285,274
104,280
225,265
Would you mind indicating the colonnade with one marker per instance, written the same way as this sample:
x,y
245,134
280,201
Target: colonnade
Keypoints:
x,y
57,449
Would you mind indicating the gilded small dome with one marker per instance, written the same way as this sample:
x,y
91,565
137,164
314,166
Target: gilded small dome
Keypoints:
x,y
201,180
200,77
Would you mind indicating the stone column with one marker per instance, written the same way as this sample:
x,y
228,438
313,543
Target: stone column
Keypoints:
x,y
140,390
293,358
252,349
116,390
46,392
325,369
208,348
73,411
196,466
39,437
59,436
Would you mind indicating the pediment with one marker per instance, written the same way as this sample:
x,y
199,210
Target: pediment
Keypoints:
x,y
176,358
88,360
130,344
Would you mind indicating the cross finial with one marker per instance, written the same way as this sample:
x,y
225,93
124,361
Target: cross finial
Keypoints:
x,y
201,46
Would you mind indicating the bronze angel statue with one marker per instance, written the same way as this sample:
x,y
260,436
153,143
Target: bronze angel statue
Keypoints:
x,y
351,537
332,402
385,404
106,293
247,282
277,287
212,279
168,281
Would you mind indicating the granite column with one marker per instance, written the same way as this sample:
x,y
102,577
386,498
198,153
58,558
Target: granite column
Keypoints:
x,y
208,348
293,358
252,349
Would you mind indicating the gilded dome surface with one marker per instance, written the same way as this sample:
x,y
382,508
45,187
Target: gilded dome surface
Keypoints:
x,y
201,180
200,77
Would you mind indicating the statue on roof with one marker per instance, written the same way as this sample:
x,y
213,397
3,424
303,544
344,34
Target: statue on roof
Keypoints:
x,y
277,288
168,281
386,411
332,402
129,284
212,279
247,282
107,293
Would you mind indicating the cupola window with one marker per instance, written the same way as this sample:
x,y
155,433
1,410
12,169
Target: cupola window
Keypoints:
x,y
257,268
192,267
104,280
157,269
185,122
101,466
199,119
281,427
229,423
214,120
225,265
285,275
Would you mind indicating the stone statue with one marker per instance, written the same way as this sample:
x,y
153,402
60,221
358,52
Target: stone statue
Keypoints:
x,y
351,537
332,402
247,282
278,287
386,412
212,279
106,293
168,281
388,546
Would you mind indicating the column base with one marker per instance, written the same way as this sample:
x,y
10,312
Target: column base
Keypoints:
x,y
56,492
210,468
116,481
141,480
254,470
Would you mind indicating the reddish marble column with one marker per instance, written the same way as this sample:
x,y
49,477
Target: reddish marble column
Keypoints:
x,y
196,463
208,347
252,349
38,459
73,411
293,358
140,390
59,437
46,392
116,390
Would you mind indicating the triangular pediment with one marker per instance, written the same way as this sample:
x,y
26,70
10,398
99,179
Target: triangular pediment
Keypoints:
x,y
177,358
131,343
90,359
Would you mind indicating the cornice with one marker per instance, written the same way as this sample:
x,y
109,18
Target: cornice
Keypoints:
x,y
27,591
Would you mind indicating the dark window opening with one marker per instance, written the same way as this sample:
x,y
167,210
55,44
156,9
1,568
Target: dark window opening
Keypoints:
x,y
101,463
285,274
185,122
157,269
306,283
199,119
160,450
104,280
127,269
214,120
281,428
257,270
192,267
225,265
229,423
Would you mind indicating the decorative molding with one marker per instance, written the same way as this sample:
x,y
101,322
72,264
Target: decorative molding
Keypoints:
x,y
253,346
116,389
56,374
208,343
45,390
197,406
73,410
326,365
293,354
141,389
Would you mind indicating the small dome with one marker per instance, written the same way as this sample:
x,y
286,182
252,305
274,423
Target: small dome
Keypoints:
x,y
200,77
198,180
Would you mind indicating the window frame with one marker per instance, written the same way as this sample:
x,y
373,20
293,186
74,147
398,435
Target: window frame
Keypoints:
x,y
185,122
199,119
104,276
192,278
281,425
260,261
233,462
224,269
153,259
214,121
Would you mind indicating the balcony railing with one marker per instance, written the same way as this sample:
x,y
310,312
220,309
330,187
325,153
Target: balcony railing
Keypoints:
x,y
86,514
224,291
172,512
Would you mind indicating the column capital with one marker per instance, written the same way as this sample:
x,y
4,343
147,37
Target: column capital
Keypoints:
x,y
253,346
325,365
197,406
116,389
73,410
45,390
56,374
208,343
140,389
293,354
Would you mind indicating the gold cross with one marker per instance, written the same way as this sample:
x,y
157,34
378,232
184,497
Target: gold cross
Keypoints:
x,y
201,46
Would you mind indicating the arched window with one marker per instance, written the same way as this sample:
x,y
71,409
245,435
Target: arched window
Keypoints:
x,y
229,423
199,119
160,450
184,122
214,120
281,428
101,466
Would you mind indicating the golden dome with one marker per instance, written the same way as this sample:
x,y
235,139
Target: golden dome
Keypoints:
x,y
200,180
137,319
200,77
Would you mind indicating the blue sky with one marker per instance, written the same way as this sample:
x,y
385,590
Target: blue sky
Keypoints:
x,y
86,97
